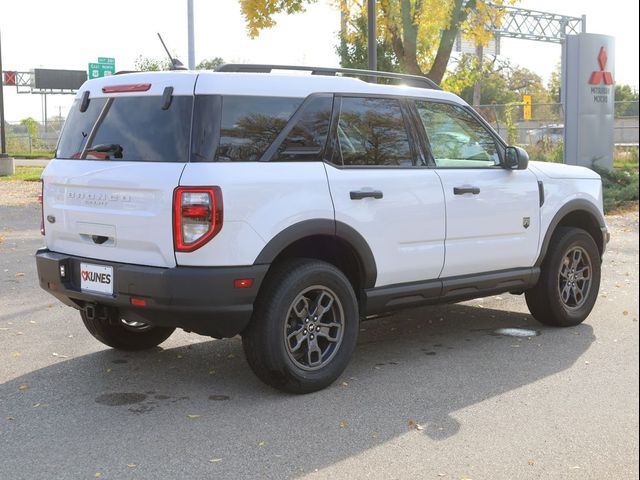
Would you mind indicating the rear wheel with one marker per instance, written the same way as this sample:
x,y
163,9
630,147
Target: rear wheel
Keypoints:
x,y
569,280
125,335
304,327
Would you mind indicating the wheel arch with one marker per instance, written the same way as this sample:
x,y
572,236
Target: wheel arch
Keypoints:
x,y
577,213
328,240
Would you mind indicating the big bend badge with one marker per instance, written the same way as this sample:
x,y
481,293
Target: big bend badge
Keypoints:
x,y
526,221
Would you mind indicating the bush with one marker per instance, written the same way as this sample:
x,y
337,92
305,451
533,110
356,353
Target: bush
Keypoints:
x,y
546,151
620,188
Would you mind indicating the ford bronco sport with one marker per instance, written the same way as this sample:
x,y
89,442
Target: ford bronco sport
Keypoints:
x,y
288,207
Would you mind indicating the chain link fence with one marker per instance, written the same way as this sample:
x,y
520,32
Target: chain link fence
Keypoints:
x,y
546,124
23,141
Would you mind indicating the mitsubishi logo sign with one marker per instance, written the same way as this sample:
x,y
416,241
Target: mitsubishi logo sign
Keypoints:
x,y
601,76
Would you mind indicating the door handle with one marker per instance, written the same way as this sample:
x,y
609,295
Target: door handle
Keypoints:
x,y
463,190
360,194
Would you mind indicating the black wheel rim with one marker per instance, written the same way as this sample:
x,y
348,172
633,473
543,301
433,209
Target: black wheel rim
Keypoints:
x,y
314,328
575,278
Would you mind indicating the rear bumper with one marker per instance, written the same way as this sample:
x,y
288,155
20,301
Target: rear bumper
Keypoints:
x,y
198,299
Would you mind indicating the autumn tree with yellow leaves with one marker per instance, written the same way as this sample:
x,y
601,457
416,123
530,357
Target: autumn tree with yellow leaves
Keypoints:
x,y
419,34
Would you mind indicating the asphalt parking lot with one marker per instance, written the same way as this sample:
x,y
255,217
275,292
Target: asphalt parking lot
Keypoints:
x,y
435,392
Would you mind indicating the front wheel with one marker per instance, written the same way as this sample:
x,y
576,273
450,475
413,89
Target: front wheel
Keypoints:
x,y
569,280
304,327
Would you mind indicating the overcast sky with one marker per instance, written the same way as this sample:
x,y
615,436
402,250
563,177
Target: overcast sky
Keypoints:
x,y
68,34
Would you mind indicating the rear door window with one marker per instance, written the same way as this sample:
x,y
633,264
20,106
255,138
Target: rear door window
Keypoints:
x,y
250,124
372,132
307,138
135,129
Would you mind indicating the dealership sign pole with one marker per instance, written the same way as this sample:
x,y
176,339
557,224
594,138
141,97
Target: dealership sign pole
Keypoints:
x,y
589,92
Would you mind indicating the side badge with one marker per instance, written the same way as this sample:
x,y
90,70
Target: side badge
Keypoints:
x,y
526,221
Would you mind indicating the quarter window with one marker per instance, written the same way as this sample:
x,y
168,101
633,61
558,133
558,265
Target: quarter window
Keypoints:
x,y
456,138
372,132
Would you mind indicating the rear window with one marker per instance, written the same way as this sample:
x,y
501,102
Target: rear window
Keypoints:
x,y
133,129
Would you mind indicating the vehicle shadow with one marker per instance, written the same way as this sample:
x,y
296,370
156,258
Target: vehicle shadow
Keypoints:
x,y
200,402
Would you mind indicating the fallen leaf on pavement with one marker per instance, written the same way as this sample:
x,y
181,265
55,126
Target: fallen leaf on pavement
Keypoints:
x,y
215,460
193,416
343,424
23,387
20,274
131,465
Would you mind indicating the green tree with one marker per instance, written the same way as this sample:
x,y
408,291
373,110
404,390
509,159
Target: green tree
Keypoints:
x,y
148,64
420,34
32,127
210,63
502,82
354,53
555,84
626,98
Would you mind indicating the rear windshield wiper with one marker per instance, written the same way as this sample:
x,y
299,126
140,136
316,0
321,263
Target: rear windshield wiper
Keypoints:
x,y
114,149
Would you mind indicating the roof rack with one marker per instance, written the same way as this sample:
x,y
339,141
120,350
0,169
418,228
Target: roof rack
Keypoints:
x,y
411,80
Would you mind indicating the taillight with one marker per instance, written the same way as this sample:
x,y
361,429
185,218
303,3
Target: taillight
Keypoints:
x,y
197,216
41,202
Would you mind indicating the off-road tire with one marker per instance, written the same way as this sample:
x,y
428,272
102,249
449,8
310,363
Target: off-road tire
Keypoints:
x,y
545,300
265,339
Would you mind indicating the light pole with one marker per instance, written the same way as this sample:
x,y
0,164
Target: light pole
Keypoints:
x,y
371,35
3,143
191,35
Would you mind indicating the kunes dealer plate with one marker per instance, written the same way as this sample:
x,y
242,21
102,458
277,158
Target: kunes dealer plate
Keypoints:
x,y
96,278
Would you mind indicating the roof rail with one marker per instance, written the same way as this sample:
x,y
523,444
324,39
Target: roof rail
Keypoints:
x,y
411,80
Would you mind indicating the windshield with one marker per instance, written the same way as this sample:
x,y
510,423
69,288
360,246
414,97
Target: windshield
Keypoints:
x,y
135,129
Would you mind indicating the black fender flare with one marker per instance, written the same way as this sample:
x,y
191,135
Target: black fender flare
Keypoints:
x,y
326,227
578,204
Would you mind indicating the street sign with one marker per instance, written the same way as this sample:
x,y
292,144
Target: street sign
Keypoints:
x,y
108,60
9,78
99,70
526,99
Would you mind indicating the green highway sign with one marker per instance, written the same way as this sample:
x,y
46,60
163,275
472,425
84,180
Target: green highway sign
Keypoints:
x,y
108,60
98,70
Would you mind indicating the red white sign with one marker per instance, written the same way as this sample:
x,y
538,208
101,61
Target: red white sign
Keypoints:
x,y
601,76
9,78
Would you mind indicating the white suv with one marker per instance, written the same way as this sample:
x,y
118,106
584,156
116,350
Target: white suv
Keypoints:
x,y
288,207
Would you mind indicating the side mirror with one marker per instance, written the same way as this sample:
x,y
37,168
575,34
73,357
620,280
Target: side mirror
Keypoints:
x,y
516,158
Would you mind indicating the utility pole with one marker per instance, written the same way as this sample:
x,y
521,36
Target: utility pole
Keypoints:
x,y
371,35
3,142
191,35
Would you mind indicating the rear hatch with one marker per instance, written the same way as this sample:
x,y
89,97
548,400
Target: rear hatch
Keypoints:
x,y
108,193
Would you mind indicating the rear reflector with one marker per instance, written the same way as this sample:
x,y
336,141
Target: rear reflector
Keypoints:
x,y
134,87
138,302
243,283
